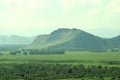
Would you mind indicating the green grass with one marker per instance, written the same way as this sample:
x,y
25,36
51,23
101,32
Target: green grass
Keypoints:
x,y
73,57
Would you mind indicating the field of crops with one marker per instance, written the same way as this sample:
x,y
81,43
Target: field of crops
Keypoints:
x,y
72,57
75,66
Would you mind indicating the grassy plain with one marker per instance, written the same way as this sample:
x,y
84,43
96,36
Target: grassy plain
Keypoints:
x,y
70,57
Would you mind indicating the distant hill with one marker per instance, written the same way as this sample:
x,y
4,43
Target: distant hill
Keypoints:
x,y
15,40
114,42
74,39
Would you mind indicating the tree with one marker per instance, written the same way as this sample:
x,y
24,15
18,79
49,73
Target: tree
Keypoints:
x,y
25,53
12,53
1,53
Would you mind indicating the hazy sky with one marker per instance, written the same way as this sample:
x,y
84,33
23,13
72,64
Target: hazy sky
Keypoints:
x,y
33,17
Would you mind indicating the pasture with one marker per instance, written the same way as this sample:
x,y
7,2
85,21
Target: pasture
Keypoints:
x,y
73,65
70,57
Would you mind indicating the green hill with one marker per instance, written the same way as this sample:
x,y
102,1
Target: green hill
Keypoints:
x,y
114,42
70,39
56,37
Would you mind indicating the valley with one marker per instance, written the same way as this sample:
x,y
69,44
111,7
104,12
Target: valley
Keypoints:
x,y
64,54
59,66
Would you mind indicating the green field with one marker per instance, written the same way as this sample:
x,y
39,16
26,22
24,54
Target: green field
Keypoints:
x,y
72,57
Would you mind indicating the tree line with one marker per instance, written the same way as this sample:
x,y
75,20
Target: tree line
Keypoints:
x,y
36,51
36,71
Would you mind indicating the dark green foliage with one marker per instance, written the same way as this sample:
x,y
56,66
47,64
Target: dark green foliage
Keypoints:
x,y
36,51
1,53
34,71
113,78
25,52
112,62
114,50
12,53
44,51
15,52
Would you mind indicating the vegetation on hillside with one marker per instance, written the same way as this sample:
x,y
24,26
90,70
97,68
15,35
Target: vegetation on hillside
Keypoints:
x,y
74,39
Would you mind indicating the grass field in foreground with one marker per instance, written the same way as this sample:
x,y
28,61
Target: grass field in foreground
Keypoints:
x,y
72,57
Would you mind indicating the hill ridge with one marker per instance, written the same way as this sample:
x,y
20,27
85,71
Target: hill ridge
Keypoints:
x,y
65,38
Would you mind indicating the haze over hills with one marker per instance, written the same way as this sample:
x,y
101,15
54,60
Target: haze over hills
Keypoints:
x,y
72,39
63,38
15,40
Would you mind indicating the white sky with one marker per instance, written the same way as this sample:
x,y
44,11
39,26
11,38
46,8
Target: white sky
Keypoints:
x,y
34,17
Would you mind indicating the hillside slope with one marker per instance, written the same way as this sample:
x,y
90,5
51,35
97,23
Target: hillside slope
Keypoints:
x,y
114,42
69,39
15,40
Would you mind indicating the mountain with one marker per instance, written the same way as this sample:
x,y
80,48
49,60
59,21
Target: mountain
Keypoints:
x,y
15,40
69,39
114,42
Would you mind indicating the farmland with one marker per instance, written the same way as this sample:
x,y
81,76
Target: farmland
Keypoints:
x,y
70,57
73,65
